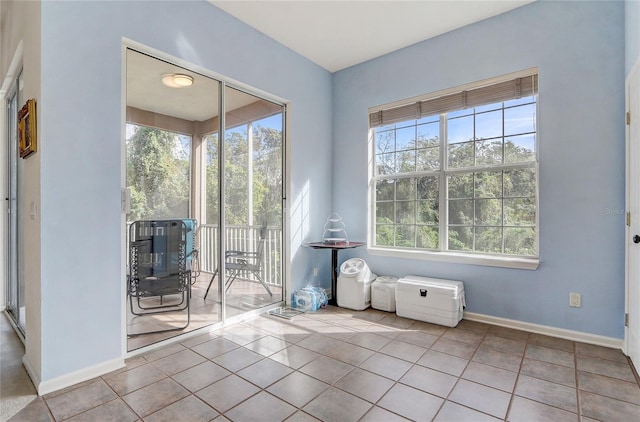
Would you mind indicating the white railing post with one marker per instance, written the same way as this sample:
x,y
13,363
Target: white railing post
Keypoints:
x,y
243,238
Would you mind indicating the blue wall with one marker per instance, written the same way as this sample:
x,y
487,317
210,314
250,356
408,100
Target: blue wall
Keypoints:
x,y
578,47
80,149
632,33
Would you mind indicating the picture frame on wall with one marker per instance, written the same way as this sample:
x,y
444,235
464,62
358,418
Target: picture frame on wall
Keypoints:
x,y
27,134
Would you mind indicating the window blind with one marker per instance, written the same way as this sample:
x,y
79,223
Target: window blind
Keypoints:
x,y
501,91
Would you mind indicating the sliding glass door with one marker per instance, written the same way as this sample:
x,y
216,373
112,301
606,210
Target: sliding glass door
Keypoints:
x,y
253,186
179,166
15,287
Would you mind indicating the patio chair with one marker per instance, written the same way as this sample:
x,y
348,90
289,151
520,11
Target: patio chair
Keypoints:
x,y
243,263
159,279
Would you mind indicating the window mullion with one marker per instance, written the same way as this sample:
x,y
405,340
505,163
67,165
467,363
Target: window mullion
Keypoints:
x,y
415,186
495,167
443,233
504,153
503,214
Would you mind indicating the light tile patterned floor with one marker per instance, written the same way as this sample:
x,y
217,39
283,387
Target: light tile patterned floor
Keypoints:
x,y
341,365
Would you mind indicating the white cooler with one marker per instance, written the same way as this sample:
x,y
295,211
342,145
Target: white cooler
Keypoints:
x,y
383,293
430,299
354,285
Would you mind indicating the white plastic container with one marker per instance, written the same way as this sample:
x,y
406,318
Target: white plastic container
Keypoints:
x,y
383,293
430,299
354,285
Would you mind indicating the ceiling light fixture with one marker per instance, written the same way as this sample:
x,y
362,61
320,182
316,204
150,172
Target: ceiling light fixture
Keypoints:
x,y
177,80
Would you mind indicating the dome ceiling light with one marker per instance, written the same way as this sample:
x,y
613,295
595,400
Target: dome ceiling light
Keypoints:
x,y
177,80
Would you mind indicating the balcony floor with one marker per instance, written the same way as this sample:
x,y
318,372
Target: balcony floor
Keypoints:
x,y
242,296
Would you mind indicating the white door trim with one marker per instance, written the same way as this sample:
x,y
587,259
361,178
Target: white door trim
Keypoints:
x,y
631,344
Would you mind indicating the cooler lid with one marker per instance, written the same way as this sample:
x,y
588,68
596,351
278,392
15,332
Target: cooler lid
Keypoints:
x,y
386,279
453,285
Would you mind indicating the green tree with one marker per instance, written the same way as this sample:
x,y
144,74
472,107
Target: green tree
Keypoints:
x,y
212,178
158,173
235,176
267,175
266,160
493,211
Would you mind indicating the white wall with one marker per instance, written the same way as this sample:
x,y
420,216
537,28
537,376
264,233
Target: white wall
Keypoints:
x,y
579,48
632,33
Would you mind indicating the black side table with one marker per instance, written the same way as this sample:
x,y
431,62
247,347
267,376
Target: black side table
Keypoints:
x,y
335,247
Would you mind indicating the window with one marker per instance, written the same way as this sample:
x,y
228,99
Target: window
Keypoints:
x,y
456,174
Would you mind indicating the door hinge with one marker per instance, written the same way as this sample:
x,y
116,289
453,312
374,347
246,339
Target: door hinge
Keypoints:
x,y
628,219
628,117
626,320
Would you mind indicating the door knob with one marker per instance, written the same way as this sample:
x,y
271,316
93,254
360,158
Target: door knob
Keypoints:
x,y
636,239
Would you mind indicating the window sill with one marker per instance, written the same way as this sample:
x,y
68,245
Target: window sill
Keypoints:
x,y
460,258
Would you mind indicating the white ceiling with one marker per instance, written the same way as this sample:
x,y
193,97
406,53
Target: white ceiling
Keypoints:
x,y
334,34
337,34
199,102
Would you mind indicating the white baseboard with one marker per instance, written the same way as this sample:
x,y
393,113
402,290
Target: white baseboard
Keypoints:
x,y
35,379
66,380
614,343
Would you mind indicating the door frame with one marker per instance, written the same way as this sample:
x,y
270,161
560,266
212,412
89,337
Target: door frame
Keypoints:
x,y
631,344
224,82
11,86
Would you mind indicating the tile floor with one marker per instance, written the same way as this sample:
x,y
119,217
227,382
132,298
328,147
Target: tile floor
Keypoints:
x,y
16,388
341,365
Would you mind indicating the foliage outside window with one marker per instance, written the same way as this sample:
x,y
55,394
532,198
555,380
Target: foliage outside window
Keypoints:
x,y
158,173
266,164
463,179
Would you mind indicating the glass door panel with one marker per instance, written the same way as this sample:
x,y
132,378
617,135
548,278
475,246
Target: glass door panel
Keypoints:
x,y
15,280
179,166
253,187
172,113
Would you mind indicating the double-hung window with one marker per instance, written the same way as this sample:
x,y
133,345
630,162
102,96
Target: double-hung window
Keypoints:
x,y
454,175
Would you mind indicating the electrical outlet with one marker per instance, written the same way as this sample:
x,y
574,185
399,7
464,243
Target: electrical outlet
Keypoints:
x,y
315,271
574,300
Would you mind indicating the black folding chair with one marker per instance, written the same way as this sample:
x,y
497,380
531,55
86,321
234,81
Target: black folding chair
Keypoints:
x,y
159,279
242,263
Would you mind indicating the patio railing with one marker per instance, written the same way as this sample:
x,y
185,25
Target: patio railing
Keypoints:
x,y
243,238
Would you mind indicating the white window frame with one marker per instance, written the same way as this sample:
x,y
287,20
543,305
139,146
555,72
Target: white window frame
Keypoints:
x,y
443,255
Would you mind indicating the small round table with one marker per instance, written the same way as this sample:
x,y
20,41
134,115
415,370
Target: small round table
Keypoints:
x,y
335,247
